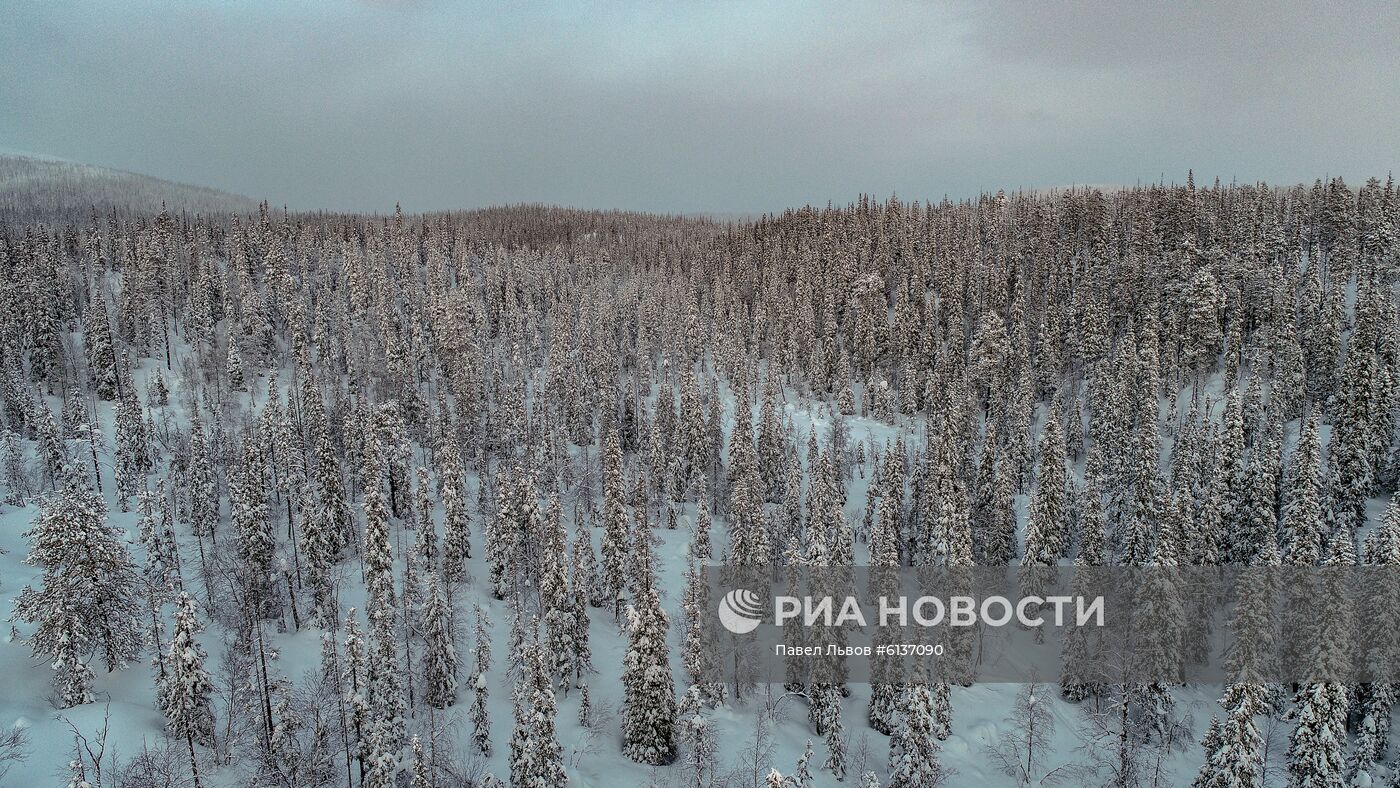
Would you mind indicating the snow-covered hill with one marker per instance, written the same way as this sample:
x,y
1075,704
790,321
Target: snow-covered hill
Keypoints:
x,y
43,188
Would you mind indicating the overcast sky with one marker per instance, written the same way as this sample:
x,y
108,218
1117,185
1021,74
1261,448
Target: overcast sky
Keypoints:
x,y
705,106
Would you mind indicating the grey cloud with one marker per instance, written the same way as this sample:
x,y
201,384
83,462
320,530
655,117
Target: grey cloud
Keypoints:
x,y
720,107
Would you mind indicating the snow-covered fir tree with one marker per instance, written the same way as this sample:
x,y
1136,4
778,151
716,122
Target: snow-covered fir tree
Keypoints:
x,y
440,648
649,702
536,759
88,606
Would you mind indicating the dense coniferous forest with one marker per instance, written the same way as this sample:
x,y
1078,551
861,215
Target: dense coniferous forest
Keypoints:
x,y
346,500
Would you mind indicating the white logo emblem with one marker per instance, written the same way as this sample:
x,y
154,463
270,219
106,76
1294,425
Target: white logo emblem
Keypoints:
x,y
741,611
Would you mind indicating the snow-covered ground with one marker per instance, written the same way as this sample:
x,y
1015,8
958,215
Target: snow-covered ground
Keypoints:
x,y
593,755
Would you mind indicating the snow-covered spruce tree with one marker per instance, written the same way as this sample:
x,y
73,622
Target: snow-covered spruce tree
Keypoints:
x,y
518,522
994,545
649,694
1158,644
1081,642
1046,530
581,584
913,746
825,521
546,756
692,450
948,531
1144,505
75,413
384,687
1353,451
786,523
772,442
1201,329
133,455
14,469
203,488
77,774
1260,517
1321,333
660,463
46,349
233,367
698,660
700,545
885,538
381,755
942,695
1235,749
612,577
90,600
999,541
285,462
641,557
53,454
97,345
699,748
157,393
748,530
481,651
330,488
1303,517
411,604
1317,743
422,770
379,557
1230,487
987,357
384,692
1381,643
480,717
826,718
1303,538
1289,388
802,775
425,523
161,566
440,648
536,759
556,597
389,426
257,542
319,544
186,691
456,526
1253,623
354,680
72,676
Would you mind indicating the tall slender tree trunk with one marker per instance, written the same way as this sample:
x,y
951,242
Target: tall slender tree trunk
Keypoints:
x,y
194,762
